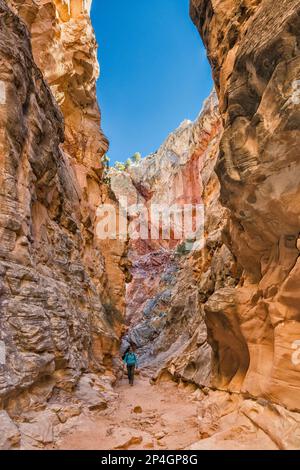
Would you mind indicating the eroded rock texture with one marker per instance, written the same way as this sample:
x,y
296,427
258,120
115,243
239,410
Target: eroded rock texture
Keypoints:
x,y
253,47
62,290
226,317
185,281
173,281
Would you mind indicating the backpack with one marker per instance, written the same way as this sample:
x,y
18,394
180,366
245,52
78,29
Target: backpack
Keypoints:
x,y
130,359
125,354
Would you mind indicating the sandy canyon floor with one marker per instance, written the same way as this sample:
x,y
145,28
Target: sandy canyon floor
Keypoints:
x,y
162,416
144,417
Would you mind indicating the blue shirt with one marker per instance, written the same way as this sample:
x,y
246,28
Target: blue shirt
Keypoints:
x,y
130,359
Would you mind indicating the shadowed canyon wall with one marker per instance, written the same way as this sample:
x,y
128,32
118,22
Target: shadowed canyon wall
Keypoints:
x,y
62,290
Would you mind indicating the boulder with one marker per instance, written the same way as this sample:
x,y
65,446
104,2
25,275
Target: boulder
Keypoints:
x,y
89,394
38,432
10,434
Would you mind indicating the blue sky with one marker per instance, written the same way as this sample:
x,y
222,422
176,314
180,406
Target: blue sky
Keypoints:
x,y
154,71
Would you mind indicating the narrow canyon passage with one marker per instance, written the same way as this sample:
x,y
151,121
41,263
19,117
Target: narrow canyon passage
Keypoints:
x,y
212,314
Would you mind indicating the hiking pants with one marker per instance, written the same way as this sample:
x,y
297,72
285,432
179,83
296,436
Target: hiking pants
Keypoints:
x,y
130,372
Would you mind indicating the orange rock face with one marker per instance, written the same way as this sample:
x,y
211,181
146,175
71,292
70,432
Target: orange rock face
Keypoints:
x,y
253,47
62,290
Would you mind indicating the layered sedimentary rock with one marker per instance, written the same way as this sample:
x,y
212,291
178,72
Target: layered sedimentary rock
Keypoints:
x,y
172,279
253,47
62,289
231,422
172,333
222,315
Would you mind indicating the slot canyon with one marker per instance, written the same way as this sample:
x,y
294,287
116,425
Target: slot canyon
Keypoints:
x,y
215,325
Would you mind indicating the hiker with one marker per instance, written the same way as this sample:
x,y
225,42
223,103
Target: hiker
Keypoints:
x,y
130,360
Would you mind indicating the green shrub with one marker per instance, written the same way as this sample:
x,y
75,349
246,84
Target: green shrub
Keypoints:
x,y
128,163
181,249
105,160
120,166
136,158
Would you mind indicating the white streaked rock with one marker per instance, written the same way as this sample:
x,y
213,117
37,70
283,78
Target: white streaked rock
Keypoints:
x,y
2,93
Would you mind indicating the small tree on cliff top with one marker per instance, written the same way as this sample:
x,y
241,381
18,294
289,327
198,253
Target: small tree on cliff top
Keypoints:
x,y
136,158
128,163
120,166
105,160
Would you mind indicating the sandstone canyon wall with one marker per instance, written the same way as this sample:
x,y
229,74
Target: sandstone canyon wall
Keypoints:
x,y
62,290
222,317
253,47
253,329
